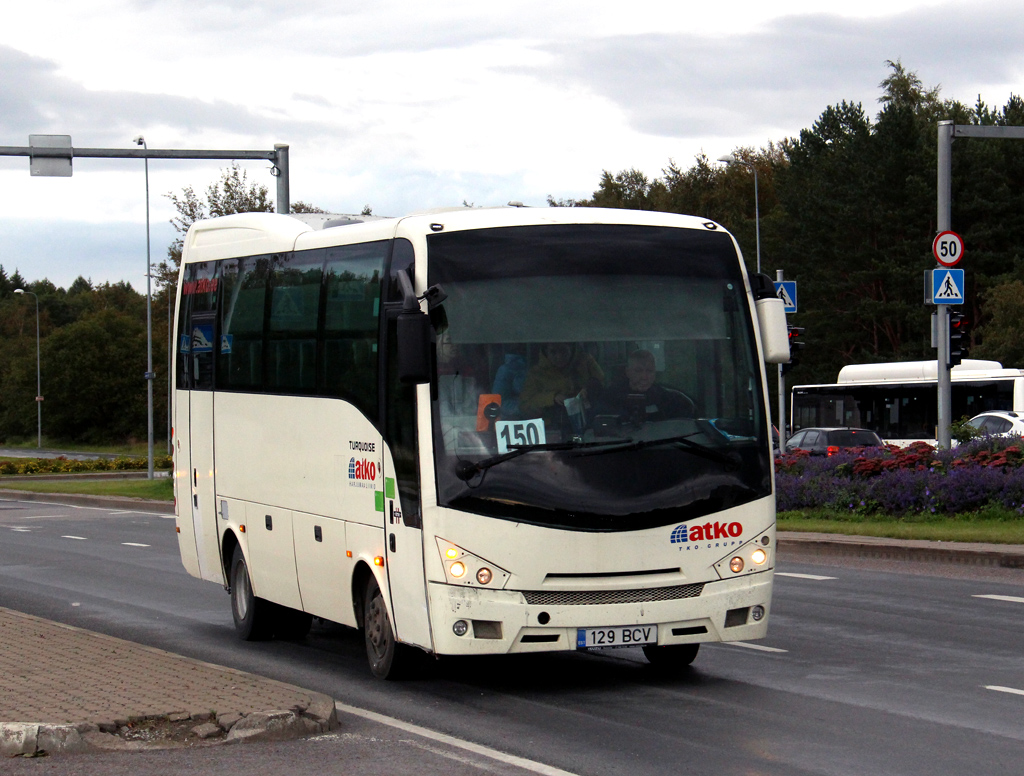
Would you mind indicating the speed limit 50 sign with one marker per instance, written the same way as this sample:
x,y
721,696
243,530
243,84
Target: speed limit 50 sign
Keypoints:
x,y
948,248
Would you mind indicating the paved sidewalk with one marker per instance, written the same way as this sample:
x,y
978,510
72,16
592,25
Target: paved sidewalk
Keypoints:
x,y
68,689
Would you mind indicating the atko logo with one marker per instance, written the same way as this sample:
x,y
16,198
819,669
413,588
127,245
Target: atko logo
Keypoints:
x,y
362,474
707,531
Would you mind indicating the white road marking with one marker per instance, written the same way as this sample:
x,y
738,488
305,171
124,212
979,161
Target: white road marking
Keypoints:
x,y
752,645
1010,598
22,530
801,576
80,538
134,544
997,688
529,765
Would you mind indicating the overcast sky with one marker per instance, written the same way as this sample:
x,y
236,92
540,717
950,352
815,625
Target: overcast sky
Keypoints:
x,y
405,105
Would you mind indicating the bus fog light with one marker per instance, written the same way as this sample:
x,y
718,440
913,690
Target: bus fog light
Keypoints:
x,y
457,569
736,565
759,556
484,575
460,628
757,613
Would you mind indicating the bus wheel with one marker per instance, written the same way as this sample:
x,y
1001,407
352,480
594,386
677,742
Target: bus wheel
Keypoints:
x,y
292,625
253,616
387,657
671,655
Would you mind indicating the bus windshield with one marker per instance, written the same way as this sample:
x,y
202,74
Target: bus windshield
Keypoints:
x,y
595,377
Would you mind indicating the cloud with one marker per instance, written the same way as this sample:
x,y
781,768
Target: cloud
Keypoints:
x,y
37,99
785,73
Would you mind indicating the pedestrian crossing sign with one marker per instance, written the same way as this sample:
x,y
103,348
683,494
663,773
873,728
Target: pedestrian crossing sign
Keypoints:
x,y
786,291
947,286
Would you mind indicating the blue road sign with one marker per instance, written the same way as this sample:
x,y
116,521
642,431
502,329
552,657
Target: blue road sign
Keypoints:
x,y
948,286
786,290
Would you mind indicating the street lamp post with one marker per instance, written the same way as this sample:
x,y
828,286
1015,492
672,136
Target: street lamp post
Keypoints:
x,y
39,384
140,140
733,159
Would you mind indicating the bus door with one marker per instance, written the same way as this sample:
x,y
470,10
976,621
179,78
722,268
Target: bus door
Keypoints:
x,y
201,285
403,521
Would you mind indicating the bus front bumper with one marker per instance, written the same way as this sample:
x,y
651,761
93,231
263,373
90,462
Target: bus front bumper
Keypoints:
x,y
475,621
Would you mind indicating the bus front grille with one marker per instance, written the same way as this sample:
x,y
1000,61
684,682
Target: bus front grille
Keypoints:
x,y
592,597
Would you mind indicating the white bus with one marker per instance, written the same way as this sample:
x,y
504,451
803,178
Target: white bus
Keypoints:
x,y
367,429
899,400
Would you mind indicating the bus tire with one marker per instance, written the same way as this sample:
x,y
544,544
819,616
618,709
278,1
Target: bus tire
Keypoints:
x,y
388,659
671,656
253,616
292,624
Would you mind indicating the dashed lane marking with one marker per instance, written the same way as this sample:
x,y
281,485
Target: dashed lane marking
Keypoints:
x,y
22,530
80,538
1011,598
801,576
1011,690
520,762
134,544
752,645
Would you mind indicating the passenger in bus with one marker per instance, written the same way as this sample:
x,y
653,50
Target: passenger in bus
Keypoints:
x,y
509,381
638,397
564,371
458,389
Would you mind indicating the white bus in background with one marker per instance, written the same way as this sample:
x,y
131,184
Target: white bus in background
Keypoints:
x,y
899,400
347,445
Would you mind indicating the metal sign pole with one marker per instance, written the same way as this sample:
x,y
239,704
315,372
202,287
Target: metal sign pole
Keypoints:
x,y
782,391
942,223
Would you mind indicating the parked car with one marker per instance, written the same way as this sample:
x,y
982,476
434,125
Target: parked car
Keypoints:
x,y
999,423
829,441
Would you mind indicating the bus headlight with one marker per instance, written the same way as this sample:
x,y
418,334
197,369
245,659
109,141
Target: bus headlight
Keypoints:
x,y
736,565
759,557
465,568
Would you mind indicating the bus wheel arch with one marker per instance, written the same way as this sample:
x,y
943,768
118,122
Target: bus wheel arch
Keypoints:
x,y
227,554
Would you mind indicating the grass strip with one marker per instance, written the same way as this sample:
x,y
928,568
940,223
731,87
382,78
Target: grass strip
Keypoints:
x,y
991,525
161,489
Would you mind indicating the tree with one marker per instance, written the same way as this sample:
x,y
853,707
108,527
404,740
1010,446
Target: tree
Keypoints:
x,y
232,193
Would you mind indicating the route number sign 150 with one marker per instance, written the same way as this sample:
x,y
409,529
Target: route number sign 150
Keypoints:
x,y
519,433
948,248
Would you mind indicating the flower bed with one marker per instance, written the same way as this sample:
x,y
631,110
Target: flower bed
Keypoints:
x,y
905,481
62,465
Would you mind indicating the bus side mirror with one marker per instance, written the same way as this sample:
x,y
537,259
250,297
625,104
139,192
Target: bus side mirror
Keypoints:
x,y
771,320
414,332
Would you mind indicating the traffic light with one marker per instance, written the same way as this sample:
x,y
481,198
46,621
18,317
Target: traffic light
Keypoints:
x,y
795,346
959,337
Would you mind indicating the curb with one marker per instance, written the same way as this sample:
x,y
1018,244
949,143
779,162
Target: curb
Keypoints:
x,y
34,739
805,544
80,500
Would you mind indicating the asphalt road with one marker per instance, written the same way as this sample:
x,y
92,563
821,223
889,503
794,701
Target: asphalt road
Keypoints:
x,y
864,671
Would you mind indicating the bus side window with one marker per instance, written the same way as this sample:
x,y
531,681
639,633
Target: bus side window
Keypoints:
x,y
240,353
203,292
184,336
352,279
291,346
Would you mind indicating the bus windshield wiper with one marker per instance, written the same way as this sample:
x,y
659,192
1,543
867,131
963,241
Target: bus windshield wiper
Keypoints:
x,y
466,470
680,442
